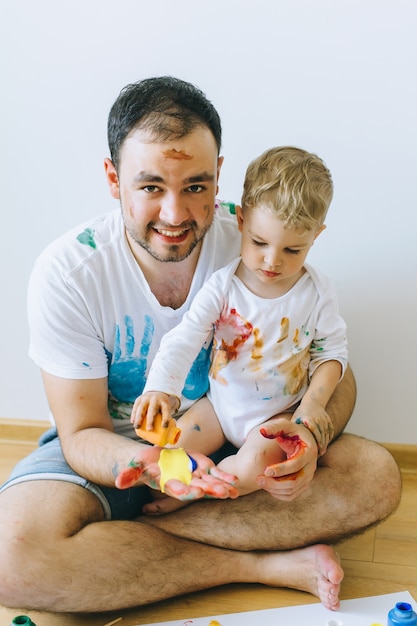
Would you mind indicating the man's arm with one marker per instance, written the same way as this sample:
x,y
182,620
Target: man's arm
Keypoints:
x,y
95,451
341,404
90,445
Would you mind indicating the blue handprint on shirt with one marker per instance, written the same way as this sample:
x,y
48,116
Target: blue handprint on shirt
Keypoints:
x,y
127,371
197,381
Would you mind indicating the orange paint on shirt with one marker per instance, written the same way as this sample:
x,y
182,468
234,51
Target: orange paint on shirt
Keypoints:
x,y
283,329
225,351
258,345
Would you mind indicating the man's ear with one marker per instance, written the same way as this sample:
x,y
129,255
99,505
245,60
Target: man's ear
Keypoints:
x,y
239,216
219,167
112,178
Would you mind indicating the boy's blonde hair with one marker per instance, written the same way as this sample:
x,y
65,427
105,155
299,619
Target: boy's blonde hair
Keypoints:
x,y
295,184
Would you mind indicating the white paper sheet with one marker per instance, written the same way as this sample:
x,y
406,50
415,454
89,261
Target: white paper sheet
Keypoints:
x,y
372,611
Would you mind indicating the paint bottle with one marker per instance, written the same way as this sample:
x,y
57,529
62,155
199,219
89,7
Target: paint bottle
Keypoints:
x,y
402,615
160,436
22,619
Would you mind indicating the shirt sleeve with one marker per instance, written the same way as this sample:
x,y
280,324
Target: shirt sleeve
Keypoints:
x,y
330,339
180,346
62,331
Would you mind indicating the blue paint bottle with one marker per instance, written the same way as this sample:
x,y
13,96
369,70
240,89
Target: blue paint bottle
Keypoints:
x,y
24,620
402,615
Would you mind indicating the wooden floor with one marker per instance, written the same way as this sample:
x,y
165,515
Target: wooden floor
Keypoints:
x,y
383,560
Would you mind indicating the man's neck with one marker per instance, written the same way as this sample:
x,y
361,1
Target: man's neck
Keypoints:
x,y
170,282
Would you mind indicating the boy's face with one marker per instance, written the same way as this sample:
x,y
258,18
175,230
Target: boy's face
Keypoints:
x,y
166,191
272,256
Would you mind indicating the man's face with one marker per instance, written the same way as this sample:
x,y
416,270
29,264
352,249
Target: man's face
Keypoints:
x,y
167,192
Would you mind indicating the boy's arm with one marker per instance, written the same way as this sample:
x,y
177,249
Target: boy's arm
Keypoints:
x,y
312,409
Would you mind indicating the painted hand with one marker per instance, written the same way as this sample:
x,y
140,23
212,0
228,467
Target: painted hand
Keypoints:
x,y
314,417
288,479
206,479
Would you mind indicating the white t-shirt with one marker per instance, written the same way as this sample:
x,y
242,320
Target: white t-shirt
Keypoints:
x,y
264,350
92,314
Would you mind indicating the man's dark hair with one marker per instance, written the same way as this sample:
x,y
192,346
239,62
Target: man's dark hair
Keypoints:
x,y
164,106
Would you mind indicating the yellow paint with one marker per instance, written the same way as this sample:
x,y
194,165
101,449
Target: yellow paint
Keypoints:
x,y
258,344
174,463
283,329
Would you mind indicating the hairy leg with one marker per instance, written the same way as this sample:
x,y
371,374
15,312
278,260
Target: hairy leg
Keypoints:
x,y
356,485
78,563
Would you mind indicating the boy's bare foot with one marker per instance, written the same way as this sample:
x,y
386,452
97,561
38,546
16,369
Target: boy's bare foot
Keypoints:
x,y
162,504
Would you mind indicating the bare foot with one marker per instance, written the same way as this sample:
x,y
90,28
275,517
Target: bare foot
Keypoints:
x,y
315,569
162,505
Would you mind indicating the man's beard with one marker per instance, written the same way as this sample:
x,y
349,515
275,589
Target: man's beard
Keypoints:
x,y
173,253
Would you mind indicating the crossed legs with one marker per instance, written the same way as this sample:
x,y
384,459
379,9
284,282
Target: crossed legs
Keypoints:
x,y
79,563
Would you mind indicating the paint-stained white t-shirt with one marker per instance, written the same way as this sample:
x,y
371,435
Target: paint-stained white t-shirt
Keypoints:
x,y
92,313
264,350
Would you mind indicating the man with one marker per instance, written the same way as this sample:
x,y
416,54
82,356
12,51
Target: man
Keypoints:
x,y
100,298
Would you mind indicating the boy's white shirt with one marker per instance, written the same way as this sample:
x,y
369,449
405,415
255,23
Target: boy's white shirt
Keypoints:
x,y
264,349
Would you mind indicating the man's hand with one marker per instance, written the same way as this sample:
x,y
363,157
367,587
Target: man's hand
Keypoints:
x,y
288,479
206,479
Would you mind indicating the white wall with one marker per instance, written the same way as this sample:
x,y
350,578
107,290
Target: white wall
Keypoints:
x,y
337,77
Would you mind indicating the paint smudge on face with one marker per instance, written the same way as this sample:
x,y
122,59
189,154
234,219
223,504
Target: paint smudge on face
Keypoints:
x,y
239,330
87,238
172,153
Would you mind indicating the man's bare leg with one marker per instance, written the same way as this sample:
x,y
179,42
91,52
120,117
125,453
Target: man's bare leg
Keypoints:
x,y
57,554
356,485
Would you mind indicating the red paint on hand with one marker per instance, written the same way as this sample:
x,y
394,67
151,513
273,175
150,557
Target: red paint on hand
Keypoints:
x,y
292,445
129,476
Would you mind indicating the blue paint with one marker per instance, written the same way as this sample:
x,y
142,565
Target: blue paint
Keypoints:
x,y
402,615
197,381
129,363
193,463
87,238
127,370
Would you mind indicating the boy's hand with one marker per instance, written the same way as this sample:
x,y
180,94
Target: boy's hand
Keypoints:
x,y
148,405
314,417
288,479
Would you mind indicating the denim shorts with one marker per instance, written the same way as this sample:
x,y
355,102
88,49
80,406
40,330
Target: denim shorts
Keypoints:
x,y
47,462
